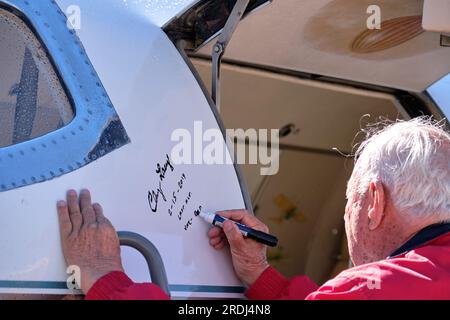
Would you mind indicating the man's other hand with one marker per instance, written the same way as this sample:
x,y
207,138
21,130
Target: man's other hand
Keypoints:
x,y
89,240
249,257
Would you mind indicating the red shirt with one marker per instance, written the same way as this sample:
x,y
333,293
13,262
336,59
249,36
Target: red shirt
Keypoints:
x,y
420,269
117,286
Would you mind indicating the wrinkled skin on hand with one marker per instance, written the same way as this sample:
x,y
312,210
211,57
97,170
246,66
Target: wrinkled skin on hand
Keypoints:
x,y
88,239
249,257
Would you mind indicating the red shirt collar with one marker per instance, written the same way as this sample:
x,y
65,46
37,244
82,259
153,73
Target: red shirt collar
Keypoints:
x,y
424,236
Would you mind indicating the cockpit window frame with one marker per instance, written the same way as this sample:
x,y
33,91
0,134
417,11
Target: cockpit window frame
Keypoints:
x,y
95,130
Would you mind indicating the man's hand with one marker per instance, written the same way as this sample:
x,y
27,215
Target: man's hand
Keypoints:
x,y
249,257
89,240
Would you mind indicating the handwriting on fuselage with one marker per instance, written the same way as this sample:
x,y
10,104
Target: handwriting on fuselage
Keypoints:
x,y
177,200
191,220
162,169
154,195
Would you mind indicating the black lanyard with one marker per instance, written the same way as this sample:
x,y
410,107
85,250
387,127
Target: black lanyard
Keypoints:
x,y
427,234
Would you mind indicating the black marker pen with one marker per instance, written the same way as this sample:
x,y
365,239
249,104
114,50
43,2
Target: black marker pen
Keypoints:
x,y
247,232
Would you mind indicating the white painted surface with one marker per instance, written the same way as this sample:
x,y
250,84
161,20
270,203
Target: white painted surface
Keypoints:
x,y
436,16
159,11
154,93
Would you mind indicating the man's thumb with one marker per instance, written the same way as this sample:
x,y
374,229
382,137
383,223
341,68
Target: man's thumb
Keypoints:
x,y
232,233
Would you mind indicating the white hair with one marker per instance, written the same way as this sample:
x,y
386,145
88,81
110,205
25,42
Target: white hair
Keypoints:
x,y
412,160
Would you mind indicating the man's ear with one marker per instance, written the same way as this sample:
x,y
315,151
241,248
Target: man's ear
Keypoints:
x,y
377,203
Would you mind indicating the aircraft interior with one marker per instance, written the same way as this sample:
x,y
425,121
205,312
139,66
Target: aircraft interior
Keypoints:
x,y
274,83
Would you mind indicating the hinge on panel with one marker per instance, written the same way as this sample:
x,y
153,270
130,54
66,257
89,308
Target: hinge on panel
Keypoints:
x,y
221,45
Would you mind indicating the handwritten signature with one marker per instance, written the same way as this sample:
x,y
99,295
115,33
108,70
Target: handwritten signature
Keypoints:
x,y
153,197
162,169
156,196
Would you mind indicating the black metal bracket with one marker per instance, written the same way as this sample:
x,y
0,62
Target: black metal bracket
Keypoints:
x,y
221,45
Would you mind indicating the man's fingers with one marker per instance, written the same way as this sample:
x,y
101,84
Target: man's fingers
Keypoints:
x,y
215,232
98,209
260,227
234,236
215,241
244,217
74,211
236,215
218,242
85,199
86,208
217,238
89,218
220,246
65,225
72,202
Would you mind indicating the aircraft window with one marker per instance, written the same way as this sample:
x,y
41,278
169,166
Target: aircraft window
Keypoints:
x,y
440,92
32,100
55,114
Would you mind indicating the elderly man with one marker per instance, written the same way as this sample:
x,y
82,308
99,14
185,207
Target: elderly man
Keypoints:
x,y
397,221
